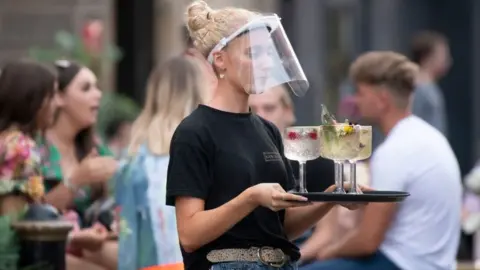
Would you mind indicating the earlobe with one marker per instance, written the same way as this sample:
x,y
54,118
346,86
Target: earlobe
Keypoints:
x,y
58,100
218,61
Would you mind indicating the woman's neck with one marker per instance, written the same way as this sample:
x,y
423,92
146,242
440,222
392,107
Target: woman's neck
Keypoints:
x,y
63,132
227,98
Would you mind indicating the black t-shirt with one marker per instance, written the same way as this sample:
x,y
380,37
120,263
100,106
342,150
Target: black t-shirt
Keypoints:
x,y
320,174
215,156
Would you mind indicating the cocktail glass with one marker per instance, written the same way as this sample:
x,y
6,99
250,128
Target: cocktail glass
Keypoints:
x,y
340,143
364,153
302,144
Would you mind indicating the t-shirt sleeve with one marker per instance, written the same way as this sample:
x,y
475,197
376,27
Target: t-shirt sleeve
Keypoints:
x,y
20,167
188,172
386,173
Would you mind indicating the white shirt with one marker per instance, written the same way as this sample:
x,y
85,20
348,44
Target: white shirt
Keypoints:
x,y
425,231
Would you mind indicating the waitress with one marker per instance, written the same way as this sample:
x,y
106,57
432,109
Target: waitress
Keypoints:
x,y
227,175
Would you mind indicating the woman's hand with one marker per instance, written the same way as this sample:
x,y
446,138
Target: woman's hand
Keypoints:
x,y
94,169
350,205
91,239
274,197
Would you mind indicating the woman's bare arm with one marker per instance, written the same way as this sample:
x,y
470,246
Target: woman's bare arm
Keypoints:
x,y
197,226
60,197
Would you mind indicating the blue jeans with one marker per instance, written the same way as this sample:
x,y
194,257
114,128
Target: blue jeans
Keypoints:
x,y
376,261
250,266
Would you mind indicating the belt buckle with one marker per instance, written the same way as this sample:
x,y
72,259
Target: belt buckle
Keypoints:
x,y
272,264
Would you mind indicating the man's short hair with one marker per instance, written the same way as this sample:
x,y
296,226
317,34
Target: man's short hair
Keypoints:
x,y
385,68
424,43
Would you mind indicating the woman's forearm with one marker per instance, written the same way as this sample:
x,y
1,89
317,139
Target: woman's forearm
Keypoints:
x,y
300,219
61,197
205,226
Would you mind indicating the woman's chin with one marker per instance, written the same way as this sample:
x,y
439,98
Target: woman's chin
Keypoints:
x,y
89,123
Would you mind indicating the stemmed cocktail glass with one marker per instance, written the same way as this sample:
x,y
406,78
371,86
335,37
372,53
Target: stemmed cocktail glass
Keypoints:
x,y
364,153
302,144
339,142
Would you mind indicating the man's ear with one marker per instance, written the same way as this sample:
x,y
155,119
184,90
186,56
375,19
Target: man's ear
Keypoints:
x,y
386,97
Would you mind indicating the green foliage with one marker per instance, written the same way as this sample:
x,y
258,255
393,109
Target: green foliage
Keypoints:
x,y
114,107
70,46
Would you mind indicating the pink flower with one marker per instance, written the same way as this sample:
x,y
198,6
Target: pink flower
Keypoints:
x,y
23,153
92,34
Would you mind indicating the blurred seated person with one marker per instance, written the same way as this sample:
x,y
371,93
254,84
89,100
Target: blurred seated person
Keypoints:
x,y
174,90
276,106
339,222
26,99
77,167
423,231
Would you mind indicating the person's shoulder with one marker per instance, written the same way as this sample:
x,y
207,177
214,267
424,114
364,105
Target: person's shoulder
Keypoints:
x,y
192,129
427,133
15,136
414,140
15,144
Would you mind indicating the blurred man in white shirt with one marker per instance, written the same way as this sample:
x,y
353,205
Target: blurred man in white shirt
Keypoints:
x,y
423,231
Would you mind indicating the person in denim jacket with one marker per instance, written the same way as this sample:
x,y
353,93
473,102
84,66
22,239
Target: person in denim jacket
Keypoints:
x,y
148,229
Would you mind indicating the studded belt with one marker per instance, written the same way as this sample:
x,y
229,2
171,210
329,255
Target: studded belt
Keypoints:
x,y
273,257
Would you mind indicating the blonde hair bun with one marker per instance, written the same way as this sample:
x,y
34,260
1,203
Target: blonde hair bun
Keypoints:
x,y
208,26
198,16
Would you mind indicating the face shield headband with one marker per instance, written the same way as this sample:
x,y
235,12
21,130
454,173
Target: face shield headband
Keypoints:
x,y
264,57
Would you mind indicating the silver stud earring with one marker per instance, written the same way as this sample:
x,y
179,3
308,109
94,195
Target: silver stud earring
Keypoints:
x,y
221,75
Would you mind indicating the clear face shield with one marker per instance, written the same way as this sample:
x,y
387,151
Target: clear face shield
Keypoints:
x,y
263,57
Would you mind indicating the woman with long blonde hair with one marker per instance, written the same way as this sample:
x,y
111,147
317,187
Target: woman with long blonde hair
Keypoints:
x,y
173,92
150,239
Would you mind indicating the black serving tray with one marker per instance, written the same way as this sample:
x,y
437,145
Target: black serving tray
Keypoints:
x,y
366,197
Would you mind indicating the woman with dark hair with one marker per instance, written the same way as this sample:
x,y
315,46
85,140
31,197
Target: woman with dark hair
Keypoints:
x,y
26,93
77,167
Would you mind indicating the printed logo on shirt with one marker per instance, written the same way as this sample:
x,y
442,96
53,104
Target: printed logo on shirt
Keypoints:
x,y
272,156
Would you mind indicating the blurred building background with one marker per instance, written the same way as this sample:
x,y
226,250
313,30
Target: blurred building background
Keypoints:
x,y
326,34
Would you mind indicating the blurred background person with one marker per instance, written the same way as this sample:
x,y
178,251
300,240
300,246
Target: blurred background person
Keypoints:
x,y
336,224
75,164
276,106
31,87
430,50
423,231
174,90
